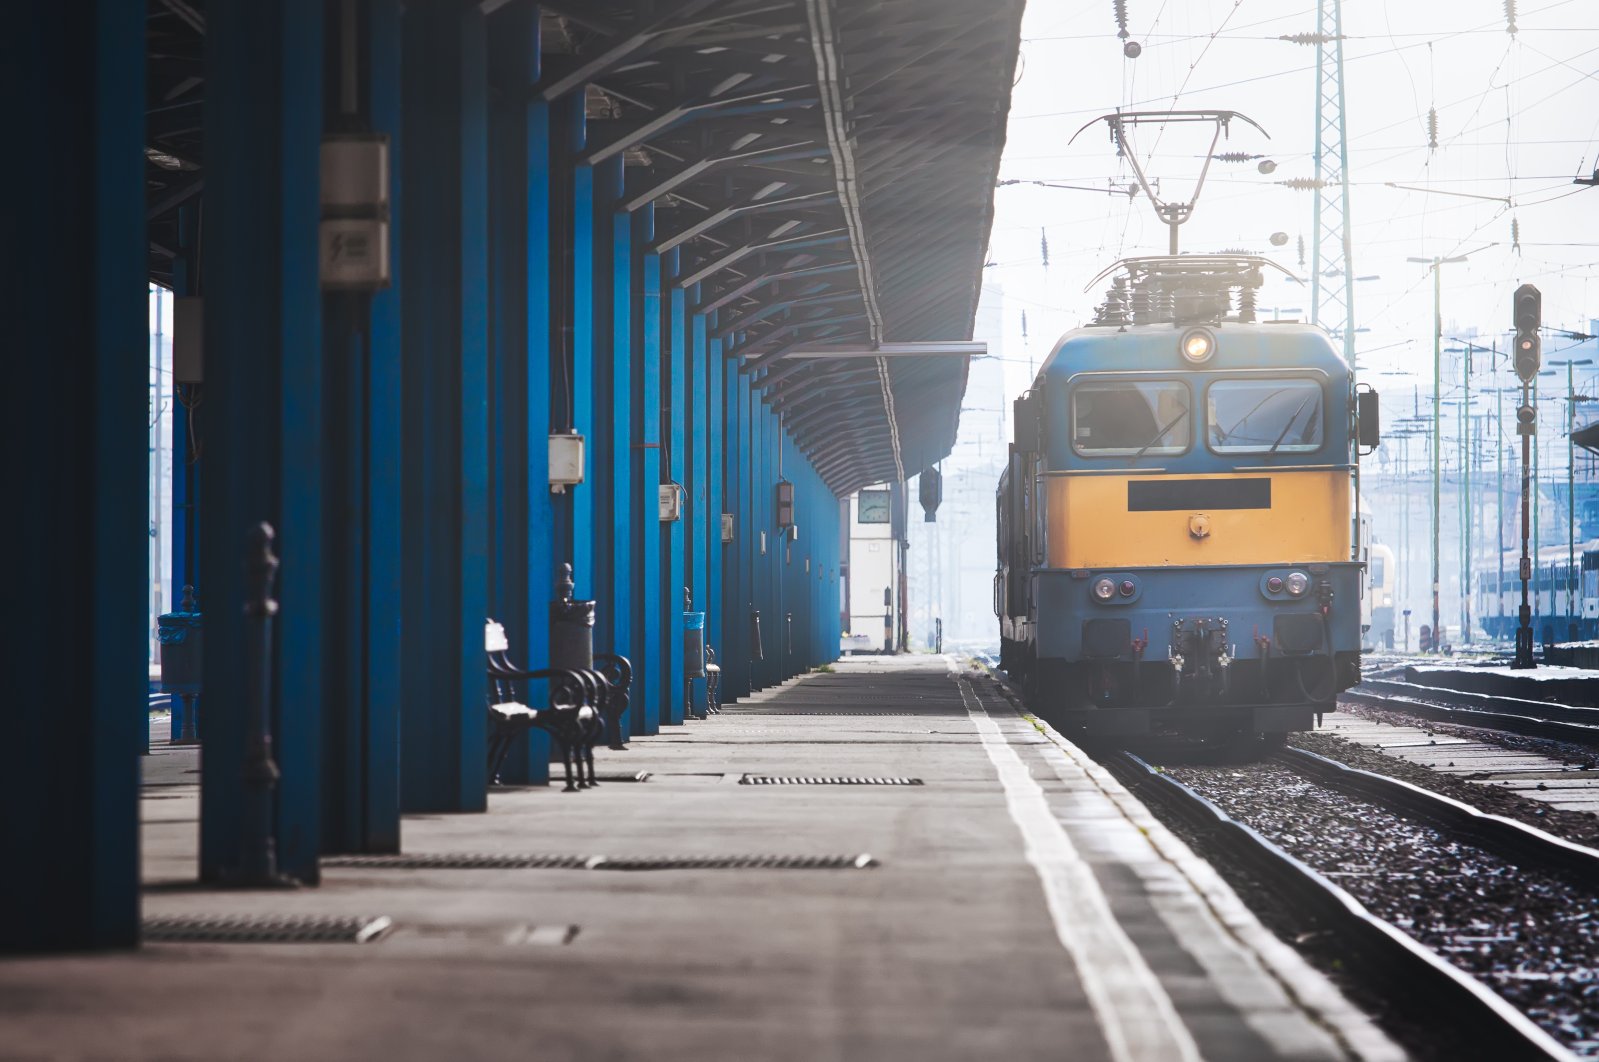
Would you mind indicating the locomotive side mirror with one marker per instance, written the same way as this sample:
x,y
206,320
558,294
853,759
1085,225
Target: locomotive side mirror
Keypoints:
x,y
1367,420
1028,417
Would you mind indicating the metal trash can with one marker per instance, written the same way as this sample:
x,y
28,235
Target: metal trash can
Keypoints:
x,y
182,641
571,627
693,645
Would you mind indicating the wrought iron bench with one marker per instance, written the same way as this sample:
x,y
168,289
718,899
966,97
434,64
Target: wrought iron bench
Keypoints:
x,y
573,717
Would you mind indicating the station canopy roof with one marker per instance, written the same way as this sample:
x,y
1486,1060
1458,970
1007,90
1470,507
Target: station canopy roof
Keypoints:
x,y
825,167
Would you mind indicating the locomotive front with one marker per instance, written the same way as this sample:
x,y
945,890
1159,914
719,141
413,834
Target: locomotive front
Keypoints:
x,y
1181,502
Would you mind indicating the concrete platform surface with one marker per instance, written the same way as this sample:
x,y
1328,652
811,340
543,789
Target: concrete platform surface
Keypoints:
x,y
1022,906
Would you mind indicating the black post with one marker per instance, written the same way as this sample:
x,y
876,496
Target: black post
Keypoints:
x,y
258,859
1525,426
571,649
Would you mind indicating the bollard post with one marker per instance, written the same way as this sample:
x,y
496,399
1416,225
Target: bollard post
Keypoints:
x,y
713,682
571,648
258,863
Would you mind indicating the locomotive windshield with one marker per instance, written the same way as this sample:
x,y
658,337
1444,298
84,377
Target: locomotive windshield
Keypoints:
x,y
1264,416
1130,417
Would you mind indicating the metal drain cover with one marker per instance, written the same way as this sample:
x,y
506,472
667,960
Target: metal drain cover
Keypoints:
x,y
889,715
461,861
733,862
496,861
266,929
762,779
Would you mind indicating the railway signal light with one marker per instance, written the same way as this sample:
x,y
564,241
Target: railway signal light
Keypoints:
x,y
1527,313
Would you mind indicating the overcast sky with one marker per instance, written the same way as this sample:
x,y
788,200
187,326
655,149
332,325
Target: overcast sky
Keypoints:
x,y
1517,119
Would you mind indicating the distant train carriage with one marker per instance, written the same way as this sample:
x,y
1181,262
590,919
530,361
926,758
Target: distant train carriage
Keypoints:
x,y
1564,601
1175,525
1377,611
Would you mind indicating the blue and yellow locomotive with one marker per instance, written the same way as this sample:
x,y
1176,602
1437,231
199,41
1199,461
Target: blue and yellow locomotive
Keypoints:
x,y
1176,524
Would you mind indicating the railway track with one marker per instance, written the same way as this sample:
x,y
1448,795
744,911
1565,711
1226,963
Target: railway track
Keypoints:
x,y
1527,718
1449,910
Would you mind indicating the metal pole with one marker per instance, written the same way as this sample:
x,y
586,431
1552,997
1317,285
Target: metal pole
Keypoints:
x,y
1437,343
1499,488
1524,616
1465,506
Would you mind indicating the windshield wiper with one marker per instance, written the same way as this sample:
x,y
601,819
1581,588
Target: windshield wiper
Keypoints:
x,y
1291,421
1228,434
1161,434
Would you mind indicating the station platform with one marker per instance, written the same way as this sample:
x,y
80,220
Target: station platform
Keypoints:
x,y
1016,903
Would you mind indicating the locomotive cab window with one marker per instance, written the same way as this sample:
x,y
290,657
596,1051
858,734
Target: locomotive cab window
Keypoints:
x,y
1130,418
1264,416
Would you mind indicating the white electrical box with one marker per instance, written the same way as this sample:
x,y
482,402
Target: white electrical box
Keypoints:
x,y
355,172
566,461
671,502
727,527
353,237
188,339
354,253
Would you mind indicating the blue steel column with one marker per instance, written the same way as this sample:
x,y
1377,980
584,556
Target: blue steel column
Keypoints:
x,y
706,521
571,336
735,494
675,569
185,479
261,424
184,521
444,246
582,276
361,724
716,620
615,496
522,583
646,465
69,782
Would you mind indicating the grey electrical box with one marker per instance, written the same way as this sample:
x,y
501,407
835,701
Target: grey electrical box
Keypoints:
x,y
669,500
566,461
353,238
188,339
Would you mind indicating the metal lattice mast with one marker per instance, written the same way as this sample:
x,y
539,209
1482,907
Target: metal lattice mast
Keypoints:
x,y
1332,274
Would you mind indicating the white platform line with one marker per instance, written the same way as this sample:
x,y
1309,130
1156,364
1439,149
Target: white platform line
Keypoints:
x,y
1135,1013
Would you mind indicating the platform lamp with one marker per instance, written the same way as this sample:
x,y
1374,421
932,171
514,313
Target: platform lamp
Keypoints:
x,y
1571,480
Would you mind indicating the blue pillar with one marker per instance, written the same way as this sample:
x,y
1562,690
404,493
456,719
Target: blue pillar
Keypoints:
x,y
729,571
675,568
523,578
716,620
361,723
647,620
444,247
582,276
705,521
69,763
261,424
615,493
184,518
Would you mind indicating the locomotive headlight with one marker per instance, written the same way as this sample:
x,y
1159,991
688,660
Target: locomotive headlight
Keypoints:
x,y
1197,345
1104,589
1298,583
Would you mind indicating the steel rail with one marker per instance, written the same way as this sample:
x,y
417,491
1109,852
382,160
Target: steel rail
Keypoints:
x,y
1540,719
1414,977
1512,841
